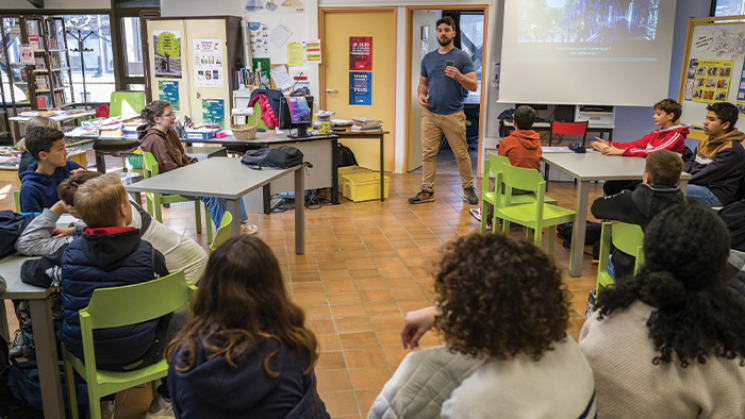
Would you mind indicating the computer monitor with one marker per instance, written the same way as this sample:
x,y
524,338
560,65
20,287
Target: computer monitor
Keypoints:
x,y
295,112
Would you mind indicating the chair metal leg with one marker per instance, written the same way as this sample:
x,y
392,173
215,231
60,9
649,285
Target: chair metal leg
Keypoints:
x,y
158,211
72,397
551,237
482,223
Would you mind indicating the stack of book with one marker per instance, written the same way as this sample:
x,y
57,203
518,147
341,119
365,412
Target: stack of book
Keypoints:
x,y
366,124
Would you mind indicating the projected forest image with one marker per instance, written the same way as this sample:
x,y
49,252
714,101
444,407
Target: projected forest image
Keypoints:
x,y
587,20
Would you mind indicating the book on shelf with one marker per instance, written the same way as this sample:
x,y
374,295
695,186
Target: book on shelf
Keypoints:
x,y
59,97
33,40
39,63
41,82
43,101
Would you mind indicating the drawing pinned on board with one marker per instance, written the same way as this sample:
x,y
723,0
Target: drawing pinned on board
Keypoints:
x,y
271,6
253,5
279,35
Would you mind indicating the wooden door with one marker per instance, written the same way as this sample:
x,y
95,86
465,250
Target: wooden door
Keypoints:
x,y
336,27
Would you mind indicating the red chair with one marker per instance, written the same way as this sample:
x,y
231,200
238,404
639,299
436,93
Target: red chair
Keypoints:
x,y
566,128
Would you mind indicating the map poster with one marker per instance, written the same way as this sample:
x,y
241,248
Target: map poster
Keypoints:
x,y
213,111
360,88
711,80
168,91
167,53
360,53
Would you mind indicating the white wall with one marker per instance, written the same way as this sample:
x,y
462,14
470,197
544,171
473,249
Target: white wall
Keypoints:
x,y
57,4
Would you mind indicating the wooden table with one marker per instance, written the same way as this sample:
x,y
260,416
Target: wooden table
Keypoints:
x,y
370,134
546,127
10,174
43,329
588,167
228,179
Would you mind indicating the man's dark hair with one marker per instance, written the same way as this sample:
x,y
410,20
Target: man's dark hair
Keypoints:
x,y
524,117
664,167
446,19
670,106
41,139
726,112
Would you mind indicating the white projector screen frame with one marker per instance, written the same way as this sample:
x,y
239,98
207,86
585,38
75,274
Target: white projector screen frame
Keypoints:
x,y
606,56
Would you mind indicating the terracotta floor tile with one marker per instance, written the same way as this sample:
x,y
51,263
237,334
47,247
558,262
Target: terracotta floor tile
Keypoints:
x,y
331,265
331,361
369,378
374,295
329,342
370,284
307,287
365,399
335,275
401,282
365,358
339,286
347,310
317,312
406,294
333,380
310,299
394,355
364,273
382,309
304,276
340,404
366,263
320,326
343,297
353,325
387,322
363,340
389,262
390,338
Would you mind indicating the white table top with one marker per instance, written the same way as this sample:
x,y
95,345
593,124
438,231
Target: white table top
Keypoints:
x,y
591,125
219,177
59,117
598,166
10,270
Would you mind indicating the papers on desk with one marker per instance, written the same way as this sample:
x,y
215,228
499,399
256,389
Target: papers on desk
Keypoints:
x,y
554,149
65,221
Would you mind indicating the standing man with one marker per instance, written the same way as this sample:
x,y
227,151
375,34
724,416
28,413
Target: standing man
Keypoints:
x,y
445,78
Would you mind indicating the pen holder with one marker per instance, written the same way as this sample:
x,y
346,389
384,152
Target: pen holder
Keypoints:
x,y
244,132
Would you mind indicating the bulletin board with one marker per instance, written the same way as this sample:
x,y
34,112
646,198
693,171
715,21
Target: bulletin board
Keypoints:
x,y
713,69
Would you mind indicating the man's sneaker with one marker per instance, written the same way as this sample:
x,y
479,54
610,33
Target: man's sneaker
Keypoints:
x,y
475,213
247,228
23,345
160,408
469,194
423,196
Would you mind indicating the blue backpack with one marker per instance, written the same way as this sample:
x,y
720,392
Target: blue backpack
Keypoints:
x,y
11,227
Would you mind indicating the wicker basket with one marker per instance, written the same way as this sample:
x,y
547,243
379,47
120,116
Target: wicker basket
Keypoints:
x,y
244,132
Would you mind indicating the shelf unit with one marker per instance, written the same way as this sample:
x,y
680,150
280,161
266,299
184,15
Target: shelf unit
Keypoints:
x,y
13,91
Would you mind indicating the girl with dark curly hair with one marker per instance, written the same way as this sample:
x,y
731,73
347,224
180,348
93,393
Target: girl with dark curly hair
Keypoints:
x,y
247,352
670,343
503,310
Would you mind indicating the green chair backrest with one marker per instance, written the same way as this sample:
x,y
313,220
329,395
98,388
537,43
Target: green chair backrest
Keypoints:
x,y
522,178
126,104
223,232
149,165
629,238
17,199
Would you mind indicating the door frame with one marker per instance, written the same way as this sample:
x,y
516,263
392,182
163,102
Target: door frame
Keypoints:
x,y
322,12
408,82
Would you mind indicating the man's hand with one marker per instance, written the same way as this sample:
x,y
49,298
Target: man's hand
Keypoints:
x,y
599,144
423,100
612,151
82,169
62,232
416,324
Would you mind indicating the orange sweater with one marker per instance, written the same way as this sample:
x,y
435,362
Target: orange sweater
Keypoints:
x,y
523,148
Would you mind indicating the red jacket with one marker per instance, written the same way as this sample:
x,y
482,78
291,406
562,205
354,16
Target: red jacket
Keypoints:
x,y
523,148
672,139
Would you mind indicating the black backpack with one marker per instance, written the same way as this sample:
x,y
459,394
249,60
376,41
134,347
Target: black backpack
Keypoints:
x,y
281,157
734,216
11,227
345,156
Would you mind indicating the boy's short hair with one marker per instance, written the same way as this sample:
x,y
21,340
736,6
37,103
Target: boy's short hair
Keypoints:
x,y
446,19
524,117
41,139
670,106
69,186
98,200
726,112
664,167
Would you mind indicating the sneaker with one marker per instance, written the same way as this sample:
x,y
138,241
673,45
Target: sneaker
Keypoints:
x,y
475,213
107,409
469,194
247,228
23,345
160,408
423,196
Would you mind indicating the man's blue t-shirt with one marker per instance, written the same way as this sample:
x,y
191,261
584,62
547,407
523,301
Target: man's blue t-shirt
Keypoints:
x,y
445,94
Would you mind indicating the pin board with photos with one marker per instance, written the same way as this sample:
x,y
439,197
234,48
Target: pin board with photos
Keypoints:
x,y
713,69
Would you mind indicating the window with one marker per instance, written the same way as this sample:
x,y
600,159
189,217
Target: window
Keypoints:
x,y
89,42
132,47
729,7
472,43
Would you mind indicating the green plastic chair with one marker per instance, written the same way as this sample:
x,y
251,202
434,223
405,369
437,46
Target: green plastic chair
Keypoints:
x,y
115,307
154,201
126,104
628,238
223,232
256,117
535,216
17,199
493,164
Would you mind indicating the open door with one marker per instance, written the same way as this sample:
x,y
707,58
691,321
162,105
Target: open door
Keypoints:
x,y
423,40
336,27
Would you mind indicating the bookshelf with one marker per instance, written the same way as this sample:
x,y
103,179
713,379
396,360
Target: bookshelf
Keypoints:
x,y
13,89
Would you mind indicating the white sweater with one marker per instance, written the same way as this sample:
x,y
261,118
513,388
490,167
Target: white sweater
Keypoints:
x,y
630,386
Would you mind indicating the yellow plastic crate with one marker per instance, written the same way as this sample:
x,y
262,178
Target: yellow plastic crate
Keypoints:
x,y
360,184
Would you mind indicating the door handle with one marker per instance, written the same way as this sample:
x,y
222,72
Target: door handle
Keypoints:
x,y
332,91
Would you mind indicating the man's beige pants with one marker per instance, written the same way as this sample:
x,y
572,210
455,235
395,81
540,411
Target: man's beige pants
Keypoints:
x,y
454,127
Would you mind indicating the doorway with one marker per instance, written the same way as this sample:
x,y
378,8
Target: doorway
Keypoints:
x,y
471,23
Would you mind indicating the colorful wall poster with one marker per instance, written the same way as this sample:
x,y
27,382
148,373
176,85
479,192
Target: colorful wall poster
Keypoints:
x,y
360,88
213,111
262,70
168,91
711,80
360,53
26,53
167,53
274,6
208,66
258,38
740,100
313,51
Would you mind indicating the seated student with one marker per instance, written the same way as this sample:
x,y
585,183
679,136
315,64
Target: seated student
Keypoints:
x,y
660,189
35,122
246,352
669,136
670,342
41,237
506,346
110,254
39,182
522,147
718,168
157,136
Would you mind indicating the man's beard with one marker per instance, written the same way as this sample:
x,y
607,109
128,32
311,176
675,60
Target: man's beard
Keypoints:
x,y
445,43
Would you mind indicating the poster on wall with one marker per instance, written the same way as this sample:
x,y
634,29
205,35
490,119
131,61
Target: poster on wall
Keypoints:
x,y
167,53
208,66
168,91
360,88
26,53
360,53
740,100
313,51
711,80
258,38
275,6
262,69
213,111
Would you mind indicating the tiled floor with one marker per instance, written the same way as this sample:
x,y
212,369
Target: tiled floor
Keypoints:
x,y
366,264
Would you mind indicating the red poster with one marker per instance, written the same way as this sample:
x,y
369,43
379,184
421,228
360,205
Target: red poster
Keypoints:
x,y
360,53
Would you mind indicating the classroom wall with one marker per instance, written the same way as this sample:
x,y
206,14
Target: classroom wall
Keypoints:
x,y
57,4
